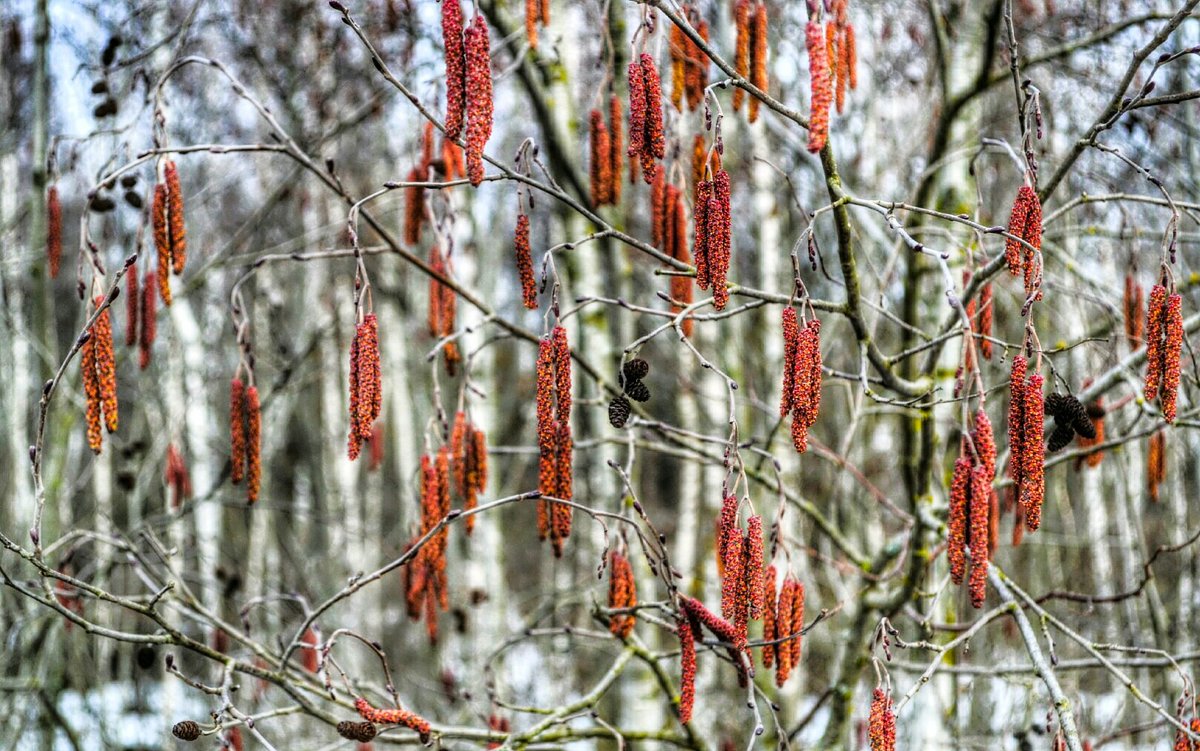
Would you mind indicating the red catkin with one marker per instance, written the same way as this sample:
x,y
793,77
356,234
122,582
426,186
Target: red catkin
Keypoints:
x,y
162,240
769,617
615,148
622,594
53,231
783,630
806,384
881,725
149,320
719,236
309,655
653,146
960,488
985,443
703,196
479,95
456,66
981,493
1033,477
401,717
366,389
253,445
1016,421
177,477
822,88
133,302
687,663
1135,313
753,568
237,430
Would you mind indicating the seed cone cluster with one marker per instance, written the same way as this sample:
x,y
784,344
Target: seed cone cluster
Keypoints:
x,y
689,65
401,717
971,521
99,376
801,376
443,308
170,236
647,140
426,586
366,383
555,445
1164,342
245,437
1070,418
1027,451
1025,222
469,462
622,594
713,236
356,731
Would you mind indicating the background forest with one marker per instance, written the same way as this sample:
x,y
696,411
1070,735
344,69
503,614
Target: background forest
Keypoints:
x,y
728,281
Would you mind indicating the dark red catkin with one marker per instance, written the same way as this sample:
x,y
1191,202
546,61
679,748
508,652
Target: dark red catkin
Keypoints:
x,y
637,113
162,240
237,430
1033,475
981,497
769,617
1016,421
175,218
1025,222
687,663
700,232
822,86
253,444
881,725
753,568
719,236
698,613
615,148
414,204
479,95
960,488
647,140
53,231
149,320
986,308
456,67
525,263
133,302
600,164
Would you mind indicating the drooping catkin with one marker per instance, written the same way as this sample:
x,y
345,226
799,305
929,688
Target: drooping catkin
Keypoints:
x,y
806,383
456,67
106,365
791,343
980,513
960,489
237,430
822,88
1134,312
758,55
253,444
91,390
700,244
1025,223
1156,463
1155,335
741,60
783,631
986,313
881,725
622,594
1172,348
696,69
133,303
769,617
677,48
414,204
1016,421
555,445
53,231
731,580
533,14
401,717
366,389
654,143
175,218
719,236
479,95
149,319
600,172
699,614
687,664
162,240
1033,477
525,263
681,286
637,113
616,149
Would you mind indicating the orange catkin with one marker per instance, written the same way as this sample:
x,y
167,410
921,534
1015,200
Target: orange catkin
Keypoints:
x,y
366,389
881,725
986,308
741,60
1033,477
981,493
175,218
1155,331
600,172
525,263
805,401
687,662
758,55
1156,463
681,286
696,75
456,66
106,366
615,148
678,49
149,316
622,594
53,231
237,430
162,240
479,95
91,389
1135,313
769,617
308,653
533,13
1016,421
719,236
253,444
1172,348
654,142
822,88
401,717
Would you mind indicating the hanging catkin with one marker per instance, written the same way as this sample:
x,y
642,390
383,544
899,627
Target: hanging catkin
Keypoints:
x,y
53,231
149,319
822,89
479,95
758,55
175,218
456,67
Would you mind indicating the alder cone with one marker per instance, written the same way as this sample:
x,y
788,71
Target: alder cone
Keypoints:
x,y
186,730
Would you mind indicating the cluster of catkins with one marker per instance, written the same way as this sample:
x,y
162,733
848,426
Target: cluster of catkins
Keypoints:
x,y
783,623
443,308
468,84
1070,418
1027,450
740,563
525,262
1025,222
974,508
668,231
426,587
689,64
606,154
141,314
449,162
750,56
245,436
555,445
469,462
536,12
622,595
801,375
1156,463
366,383
401,717
632,373
881,724
841,52
166,220
1182,742
1135,312
98,368
712,238
177,477
53,231
647,140
1164,341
